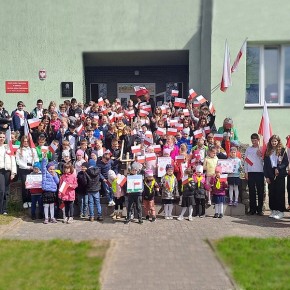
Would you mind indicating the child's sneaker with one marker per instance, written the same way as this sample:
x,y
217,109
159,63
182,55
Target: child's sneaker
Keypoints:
x,y
231,203
220,216
140,221
167,217
53,221
65,220
111,203
153,219
170,217
82,216
215,215
202,216
235,203
147,217
180,218
70,220
45,221
190,218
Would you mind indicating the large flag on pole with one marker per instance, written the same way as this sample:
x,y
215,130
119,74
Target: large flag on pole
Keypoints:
x,y
265,128
240,54
226,78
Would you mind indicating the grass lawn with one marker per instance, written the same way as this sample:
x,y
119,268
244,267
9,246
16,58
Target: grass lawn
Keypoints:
x,y
55,264
257,263
5,219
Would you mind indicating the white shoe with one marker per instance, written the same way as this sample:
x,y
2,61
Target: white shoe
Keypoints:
x,y
29,204
70,220
132,216
279,215
25,205
171,217
111,203
167,217
180,218
273,213
190,218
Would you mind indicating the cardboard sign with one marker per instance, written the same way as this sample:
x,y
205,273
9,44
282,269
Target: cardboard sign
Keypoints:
x,y
134,183
33,181
161,165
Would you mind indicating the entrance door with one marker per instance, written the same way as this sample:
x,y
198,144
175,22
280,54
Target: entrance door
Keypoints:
x,y
97,90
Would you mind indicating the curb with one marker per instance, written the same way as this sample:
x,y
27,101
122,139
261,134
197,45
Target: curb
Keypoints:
x,y
8,227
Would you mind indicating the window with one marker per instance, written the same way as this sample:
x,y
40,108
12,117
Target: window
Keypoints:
x,y
268,75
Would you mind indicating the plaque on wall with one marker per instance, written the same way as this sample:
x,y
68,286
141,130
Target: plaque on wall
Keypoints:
x,y
67,89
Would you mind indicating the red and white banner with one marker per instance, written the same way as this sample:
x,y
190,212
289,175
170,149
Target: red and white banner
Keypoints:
x,y
179,127
171,131
206,130
146,108
223,178
211,108
196,103
163,109
119,116
239,55
185,112
218,137
265,128
148,134
101,135
130,114
249,161
179,158
121,179
288,143
226,77
185,180
63,188
150,156
198,134
180,102
52,147
112,117
101,102
104,110
157,148
161,131
80,129
33,122
192,94
140,91
148,141
96,118
174,93
141,159
201,99
172,123
136,149
143,113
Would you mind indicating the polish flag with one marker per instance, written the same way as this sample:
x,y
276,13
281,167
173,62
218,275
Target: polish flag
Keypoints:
x,y
172,123
31,143
223,178
101,135
83,117
196,103
146,108
226,77
148,134
130,114
201,99
142,104
104,110
185,180
33,122
240,54
11,150
265,128
206,130
119,116
143,113
179,158
63,188
157,148
101,102
150,156
136,149
211,108
288,142
163,109
14,148
192,94
121,179
112,117
44,149
249,161
148,141
179,127
174,93
96,118
141,159
180,102
185,112
171,131
80,129
140,91
218,137
161,131
52,147
197,134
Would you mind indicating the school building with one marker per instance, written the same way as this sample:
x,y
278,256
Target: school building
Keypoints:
x,y
55,50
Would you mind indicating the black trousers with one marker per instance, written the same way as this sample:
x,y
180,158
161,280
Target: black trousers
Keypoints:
x,y
69,208
25,192
200,201
119,202
4,188
256,188
288,188
137,199
277,194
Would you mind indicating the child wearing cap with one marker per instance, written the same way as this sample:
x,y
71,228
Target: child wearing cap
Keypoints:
x,y
200,191
150,186
218,188
169,191
36,194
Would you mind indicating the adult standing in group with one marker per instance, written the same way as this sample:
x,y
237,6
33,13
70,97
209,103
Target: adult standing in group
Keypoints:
x,y
25,158
5,119
7,172
37,112
18,116
275,164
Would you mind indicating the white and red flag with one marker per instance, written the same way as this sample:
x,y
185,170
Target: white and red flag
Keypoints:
x,y
239,55
101,135
198,134
157,148
143,113
218,137
146,108
206,130
130,114
184,179
80,129
63,188
44,149
96,118
119,116
174,93
171,131
196,103
226,77
163,109
112,117
136,149
33,122
161,131
186,112
173,122
201,99
52,147
101,102
211,108
121,179
223,178
180,102
148,141
140,91
192,94
148,134
179,158
265,128
141,159
150,156
179,126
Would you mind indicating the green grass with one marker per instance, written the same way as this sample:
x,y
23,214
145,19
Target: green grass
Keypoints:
x,y
55,264
257,263
14,209
5,219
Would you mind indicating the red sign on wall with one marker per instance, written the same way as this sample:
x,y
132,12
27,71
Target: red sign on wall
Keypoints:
x,y
16,87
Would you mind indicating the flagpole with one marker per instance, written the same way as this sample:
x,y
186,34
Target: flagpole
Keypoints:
x,y
215,88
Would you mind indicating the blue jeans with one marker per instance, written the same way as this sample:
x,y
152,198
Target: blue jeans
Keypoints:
x,y
108,190
34,199
94,198
83,199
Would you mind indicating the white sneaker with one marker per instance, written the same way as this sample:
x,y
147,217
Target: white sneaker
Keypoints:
x,y
273,212
180,218
29,204
171,217
167,217
132,216
25,205
279,215
190,218
111,203
70,220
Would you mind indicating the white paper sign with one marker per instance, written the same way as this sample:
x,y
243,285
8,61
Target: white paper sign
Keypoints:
x,y
33,181
226,165
161,165
134,183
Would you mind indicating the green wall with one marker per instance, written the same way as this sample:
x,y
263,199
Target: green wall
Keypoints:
x,y
53,35
260,21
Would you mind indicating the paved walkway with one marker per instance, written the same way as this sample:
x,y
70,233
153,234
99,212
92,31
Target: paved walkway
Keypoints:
x,y
164,255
